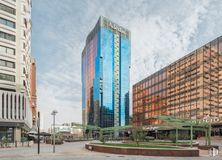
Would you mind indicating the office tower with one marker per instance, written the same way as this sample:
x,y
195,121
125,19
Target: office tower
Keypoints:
x,y
105,75
189,88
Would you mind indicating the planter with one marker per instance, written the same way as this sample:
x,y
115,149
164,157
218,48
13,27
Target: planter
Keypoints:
x,y
180,152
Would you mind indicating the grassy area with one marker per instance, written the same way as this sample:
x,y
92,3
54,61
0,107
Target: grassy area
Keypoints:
x,y
168,142
140,145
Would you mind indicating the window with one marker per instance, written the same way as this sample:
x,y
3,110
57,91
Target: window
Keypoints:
x,y
7,36
220,46
25,22
24,34
2,63
11,51
214,45
7,77
7,22
7,64
7,50
24,84
10,64
7,9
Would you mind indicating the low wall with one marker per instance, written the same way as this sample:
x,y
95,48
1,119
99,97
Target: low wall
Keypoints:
x,y
144,151
208,147
18,144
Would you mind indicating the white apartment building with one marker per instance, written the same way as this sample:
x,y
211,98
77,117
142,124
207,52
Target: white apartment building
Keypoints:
x,y
15,61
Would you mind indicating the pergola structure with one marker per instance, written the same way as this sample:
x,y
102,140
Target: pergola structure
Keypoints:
x,y
118,128
114,130
171,122
92,128
89,128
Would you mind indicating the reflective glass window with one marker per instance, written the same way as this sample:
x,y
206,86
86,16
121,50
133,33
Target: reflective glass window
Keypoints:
x,y
7,9
7,22
7,77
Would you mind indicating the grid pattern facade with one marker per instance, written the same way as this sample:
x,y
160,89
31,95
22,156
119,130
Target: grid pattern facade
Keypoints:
x,y
189,88
15,68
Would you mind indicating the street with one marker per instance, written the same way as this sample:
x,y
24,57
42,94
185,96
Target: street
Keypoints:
x,y
76,151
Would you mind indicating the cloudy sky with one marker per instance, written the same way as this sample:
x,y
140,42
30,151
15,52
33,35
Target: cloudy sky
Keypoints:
x,y
161,32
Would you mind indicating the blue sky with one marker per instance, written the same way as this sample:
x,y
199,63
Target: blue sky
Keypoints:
x,y
161,32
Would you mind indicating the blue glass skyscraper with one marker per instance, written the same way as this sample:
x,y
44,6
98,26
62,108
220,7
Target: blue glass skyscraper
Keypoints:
x,y
105,75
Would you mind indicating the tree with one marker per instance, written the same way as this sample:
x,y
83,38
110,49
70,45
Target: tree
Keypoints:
x,y
4,142
102,138
138,135
172,137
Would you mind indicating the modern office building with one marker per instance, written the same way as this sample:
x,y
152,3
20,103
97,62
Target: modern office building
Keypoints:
x,y
105,75
15,63
190,88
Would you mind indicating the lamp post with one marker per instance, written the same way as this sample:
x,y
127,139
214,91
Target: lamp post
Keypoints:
x,y
54,112
208,137
156,133
38,126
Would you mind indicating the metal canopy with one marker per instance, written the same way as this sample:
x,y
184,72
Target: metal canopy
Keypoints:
x,y
118,128
172,122
182,122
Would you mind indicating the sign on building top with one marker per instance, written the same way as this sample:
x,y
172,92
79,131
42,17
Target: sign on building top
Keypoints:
x,y
109,24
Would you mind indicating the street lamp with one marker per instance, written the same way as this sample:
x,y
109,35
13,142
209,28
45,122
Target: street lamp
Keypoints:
x,y
54,112
208,120
156,132
38,126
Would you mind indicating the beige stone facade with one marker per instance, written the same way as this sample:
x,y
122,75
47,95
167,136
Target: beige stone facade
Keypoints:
x,y
33,100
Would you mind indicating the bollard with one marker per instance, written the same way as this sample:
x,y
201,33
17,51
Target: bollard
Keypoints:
x,y
213,152
90,148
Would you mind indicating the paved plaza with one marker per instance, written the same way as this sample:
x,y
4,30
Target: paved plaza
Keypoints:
x,y
76,151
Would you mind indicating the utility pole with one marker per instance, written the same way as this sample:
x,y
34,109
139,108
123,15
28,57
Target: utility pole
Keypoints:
x,y
54,133
176,136
191,136
54,112
38,126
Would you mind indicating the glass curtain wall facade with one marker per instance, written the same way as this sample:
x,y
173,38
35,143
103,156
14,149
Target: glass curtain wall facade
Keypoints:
x,y
189,88
105,75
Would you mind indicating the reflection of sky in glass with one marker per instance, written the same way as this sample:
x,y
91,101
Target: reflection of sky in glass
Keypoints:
x,y
107,50
98,65
124,78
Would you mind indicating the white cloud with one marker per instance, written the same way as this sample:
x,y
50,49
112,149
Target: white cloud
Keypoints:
x,y
158,40
162,32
